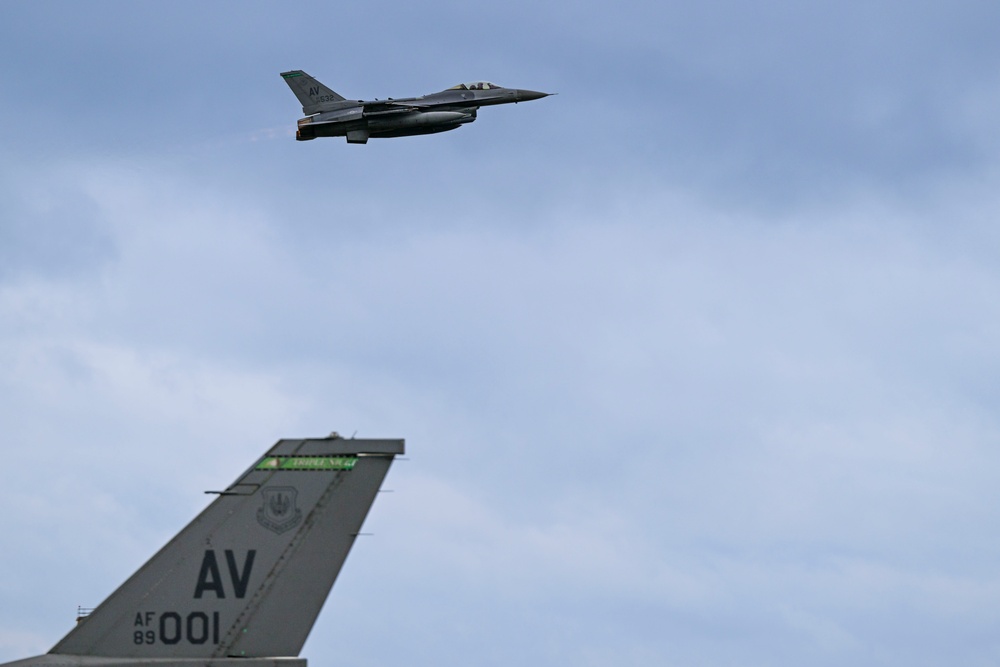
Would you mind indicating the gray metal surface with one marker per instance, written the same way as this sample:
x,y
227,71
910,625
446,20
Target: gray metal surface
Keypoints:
x,y
57,660
246,578
330,115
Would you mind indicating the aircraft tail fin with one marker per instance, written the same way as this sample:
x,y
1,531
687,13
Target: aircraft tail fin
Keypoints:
x,y
248,577
313,95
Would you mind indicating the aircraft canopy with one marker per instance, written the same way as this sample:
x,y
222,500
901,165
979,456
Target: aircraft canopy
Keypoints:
x,y
478,85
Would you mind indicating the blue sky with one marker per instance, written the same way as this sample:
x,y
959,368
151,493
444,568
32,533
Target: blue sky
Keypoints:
x,y
695,360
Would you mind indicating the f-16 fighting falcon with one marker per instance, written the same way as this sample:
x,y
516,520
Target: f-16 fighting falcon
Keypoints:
x,y
330,115
242,584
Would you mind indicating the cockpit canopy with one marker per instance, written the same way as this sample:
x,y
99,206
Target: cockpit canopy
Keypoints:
x,y
478,85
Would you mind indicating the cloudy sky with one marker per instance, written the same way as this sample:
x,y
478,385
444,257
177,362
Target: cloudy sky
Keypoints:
x,y
695,361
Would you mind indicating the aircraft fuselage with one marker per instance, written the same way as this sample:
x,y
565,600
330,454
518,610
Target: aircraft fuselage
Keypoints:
x,y
330,115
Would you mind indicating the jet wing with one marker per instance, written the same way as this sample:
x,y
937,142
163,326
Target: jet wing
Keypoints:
x,y
388,110
380,107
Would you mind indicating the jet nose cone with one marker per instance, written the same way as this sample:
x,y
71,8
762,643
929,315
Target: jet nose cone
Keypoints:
x,y
528,95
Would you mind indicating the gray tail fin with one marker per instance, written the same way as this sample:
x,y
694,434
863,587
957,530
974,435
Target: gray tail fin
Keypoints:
x,y
313,95
248,577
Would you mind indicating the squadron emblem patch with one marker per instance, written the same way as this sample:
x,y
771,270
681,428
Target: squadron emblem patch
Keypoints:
x,y
279,512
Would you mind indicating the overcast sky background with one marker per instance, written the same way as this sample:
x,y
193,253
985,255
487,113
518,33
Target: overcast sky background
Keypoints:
x,y
696,362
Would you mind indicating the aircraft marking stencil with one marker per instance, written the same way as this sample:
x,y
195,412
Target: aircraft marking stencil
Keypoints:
x,y
245,580
278,512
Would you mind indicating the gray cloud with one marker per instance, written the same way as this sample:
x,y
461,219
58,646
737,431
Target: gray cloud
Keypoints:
x,y
696,373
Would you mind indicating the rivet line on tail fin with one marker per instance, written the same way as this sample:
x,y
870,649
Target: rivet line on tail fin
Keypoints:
x,y
245,617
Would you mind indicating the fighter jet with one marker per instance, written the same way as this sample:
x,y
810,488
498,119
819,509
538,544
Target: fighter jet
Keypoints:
x,y
242,584
330,115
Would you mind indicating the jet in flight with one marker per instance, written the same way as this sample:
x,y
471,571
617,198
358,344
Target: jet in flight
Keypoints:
x,y
242,584
330,115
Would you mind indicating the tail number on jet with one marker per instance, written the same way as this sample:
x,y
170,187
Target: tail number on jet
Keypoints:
x,y
171,628
197,627
210,577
